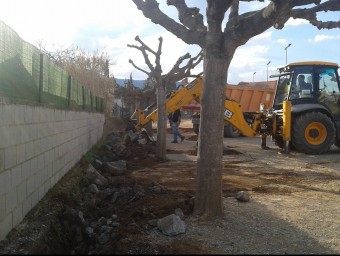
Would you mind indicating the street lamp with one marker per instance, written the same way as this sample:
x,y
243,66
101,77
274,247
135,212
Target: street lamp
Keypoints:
x,y
267,70
286,50
253,76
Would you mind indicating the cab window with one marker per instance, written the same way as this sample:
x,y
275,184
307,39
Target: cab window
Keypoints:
x,y
328,81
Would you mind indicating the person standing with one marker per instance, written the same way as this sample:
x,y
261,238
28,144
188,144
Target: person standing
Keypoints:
x,y
176,120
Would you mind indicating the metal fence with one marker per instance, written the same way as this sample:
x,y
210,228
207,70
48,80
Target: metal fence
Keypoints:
x,y
29,77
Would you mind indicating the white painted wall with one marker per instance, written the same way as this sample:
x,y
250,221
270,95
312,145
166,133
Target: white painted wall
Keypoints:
x,y
38,146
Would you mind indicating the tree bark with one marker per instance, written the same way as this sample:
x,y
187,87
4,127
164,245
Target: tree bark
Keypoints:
x,y
208,199
161,121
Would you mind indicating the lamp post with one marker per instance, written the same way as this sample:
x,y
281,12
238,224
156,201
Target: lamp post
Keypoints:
x,y
267,70
254,75
286,51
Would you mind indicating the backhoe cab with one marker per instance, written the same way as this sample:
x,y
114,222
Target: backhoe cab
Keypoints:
x,y
307,107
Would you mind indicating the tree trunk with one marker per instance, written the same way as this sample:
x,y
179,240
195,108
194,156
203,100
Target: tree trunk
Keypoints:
x,y
161,122
208,201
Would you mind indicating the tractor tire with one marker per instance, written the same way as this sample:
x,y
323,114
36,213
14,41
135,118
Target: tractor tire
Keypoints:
x,y
313,133
196,128
231,132
278,141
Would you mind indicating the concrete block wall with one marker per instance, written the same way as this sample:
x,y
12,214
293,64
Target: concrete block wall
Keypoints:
x,y
38,146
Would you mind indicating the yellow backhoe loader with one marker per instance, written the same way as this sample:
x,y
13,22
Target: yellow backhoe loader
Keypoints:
x,y
305,116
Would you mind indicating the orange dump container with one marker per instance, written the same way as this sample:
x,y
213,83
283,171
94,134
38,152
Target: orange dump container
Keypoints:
x,y
248,95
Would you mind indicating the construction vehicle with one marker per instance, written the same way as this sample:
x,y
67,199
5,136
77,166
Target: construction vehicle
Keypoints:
x,y
248,95
305,120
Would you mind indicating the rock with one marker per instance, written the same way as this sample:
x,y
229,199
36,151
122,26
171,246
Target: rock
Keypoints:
x,y
242,196
94,176
115,168
180,213
93,188
171,225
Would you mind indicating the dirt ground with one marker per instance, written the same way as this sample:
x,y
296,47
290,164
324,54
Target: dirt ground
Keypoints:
x,y
294,205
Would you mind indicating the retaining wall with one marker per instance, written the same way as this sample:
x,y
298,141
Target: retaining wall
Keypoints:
x,y
38,146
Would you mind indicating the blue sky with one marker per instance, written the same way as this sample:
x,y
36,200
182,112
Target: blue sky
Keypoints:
x,y
109,25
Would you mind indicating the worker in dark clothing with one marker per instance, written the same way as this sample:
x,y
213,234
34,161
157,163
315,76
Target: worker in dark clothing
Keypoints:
x,y
264,142
175,121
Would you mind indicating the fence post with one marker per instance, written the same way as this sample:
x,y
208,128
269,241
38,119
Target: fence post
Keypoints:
x,y
83,92
69,91
41,77
91,101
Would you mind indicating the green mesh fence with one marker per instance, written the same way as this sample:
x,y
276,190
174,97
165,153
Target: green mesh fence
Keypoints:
x,y
29,77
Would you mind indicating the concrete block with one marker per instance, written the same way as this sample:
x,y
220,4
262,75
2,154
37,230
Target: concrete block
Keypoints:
x,y
37,147
21,153
29,115
17,215
10,157
30,185
35,198
5,182
37,180
34,166
5,135
29,149
2,160
16,176
41,161
41,192
5,226
21,192
11,200
15,135
27,205
2,206
26,170
19,114
7,115
33,131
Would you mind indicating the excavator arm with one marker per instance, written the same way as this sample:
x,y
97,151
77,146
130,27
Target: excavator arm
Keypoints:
x,y
192,91
234,115
175,100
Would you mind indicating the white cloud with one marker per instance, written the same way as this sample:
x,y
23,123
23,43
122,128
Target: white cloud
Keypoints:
x,y
296,22
321,38
282,41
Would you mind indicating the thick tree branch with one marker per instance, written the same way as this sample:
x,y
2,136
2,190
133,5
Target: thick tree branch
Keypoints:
x,y
143,48
243,27
151,10
311,14
189,17
140,69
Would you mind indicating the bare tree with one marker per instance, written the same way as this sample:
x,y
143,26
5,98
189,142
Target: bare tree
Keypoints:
x,y
134,97
162,82
90,69
219,47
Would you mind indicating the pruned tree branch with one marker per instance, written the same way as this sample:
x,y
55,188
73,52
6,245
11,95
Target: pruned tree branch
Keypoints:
x,y
189,17
177,73
151,10
192,30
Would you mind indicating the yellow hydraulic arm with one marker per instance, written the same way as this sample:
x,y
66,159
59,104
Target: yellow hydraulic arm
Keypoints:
x,y
233,111
234,115
176,100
